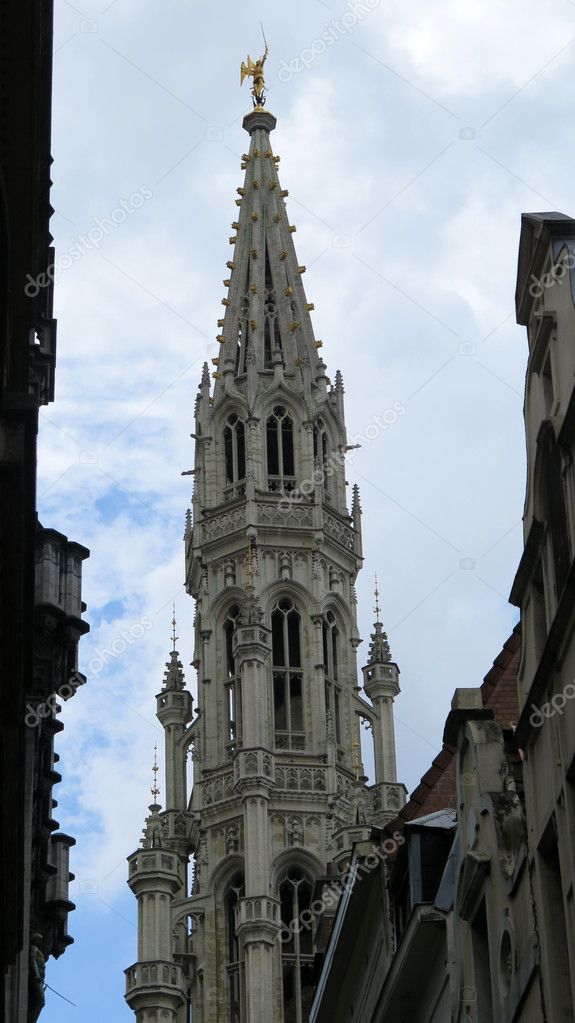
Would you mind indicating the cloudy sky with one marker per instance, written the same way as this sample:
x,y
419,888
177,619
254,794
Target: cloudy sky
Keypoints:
x,y
412,137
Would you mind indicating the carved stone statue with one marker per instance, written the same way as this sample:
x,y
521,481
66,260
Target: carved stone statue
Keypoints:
x,y
36,977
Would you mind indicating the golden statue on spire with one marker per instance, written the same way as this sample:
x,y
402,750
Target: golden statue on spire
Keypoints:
x,y
255,69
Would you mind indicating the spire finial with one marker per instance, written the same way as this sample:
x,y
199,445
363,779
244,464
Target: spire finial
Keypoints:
x,y
174,637
155,790
377,607
255,69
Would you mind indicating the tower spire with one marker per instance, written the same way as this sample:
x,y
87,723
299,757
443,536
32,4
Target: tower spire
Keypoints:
x,y
272,557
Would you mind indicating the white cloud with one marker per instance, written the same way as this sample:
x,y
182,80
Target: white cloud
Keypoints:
x,y
461,48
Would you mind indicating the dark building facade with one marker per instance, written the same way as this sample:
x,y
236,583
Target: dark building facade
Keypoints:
x,y
40,570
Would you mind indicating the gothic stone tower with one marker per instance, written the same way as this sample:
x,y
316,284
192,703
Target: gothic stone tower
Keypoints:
x,y
272,554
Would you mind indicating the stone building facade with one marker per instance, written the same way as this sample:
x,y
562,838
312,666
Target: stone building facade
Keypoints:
x,y
544,591
272,554
443,927
488,904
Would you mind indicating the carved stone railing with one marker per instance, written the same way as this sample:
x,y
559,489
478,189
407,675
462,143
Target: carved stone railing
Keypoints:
x,y
218,787
254,763
339,531
289,740
301,779
223,523
161,863
234,490
259,911
385,799
159,974
285,513
281,484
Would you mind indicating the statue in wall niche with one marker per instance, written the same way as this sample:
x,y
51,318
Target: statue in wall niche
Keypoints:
x,y
285,566
295,831
230,572
37,998
232,839
334,578
360,814
510,827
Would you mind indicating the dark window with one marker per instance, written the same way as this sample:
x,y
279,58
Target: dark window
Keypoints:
x,y
233,681
234,893
297,953
330,636
321,452
280,447
273,447
287,675
287,447
234,451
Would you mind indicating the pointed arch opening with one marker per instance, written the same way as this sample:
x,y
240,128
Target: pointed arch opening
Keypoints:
x,y
287,676
280,451
322,454
233,700
234,457
295,894
234,953
331,638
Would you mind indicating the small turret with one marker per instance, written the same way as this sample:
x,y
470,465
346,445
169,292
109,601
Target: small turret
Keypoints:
x,y
381,684
156,874
174,711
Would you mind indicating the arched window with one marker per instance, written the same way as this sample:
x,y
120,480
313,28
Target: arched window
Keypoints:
x,y
295,893
235,967
287,676
233,682
234,455
280,451
331,666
